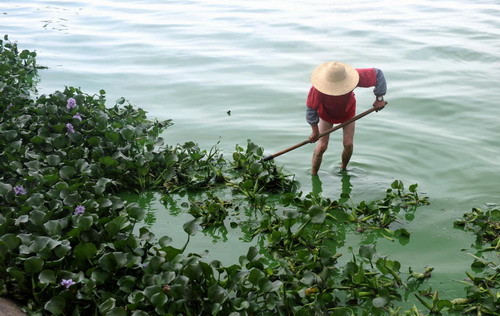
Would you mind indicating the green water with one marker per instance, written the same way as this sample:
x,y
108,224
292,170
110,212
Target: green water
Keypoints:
x,y
193,61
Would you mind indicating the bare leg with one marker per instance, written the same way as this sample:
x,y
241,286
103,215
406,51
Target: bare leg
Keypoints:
x,y
348,142
321,146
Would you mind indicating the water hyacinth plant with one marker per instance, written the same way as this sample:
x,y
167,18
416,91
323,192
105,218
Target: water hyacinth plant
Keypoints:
x,y
71,104
19,190
67,283
70,245
69,128
79,210
78,116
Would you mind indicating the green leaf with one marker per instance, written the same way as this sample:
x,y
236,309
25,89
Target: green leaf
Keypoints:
x,y
11,240
151,290
101,184
24,54
33,265
136,212
72,199
342,311
55,305
255,275
252,253
171,252
135,297
100,276
37,140
164,241
94,141
380,302
191,227
53,227
402,235
67,172
155,263
60,142
444,303
217,294
107,305
256,168
33,165
17,274
413,188
128,133
402,232
62,249
112,136
115,225
265,285
367,251
108,262
5,188
127,283
159,299
193,271
35,200
117,311
240,304
37,217
85,222
108,161
317,214
50,179
47,277
9,135
85,251
309,278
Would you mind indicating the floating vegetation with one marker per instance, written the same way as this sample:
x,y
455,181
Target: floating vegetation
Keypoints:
x,y
70,245
485,224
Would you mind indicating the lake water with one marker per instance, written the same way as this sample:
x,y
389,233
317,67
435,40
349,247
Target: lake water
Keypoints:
x,y
194,60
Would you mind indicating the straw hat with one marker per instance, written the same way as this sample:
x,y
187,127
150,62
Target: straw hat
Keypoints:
x,y
334,78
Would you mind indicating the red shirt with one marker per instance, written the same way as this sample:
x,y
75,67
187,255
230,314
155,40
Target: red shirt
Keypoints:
x,y
338,109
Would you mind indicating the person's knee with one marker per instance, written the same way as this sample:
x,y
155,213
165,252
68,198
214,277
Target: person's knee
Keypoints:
x,y
321,148
348,145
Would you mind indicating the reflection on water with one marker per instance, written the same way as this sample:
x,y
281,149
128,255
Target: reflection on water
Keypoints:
x,y
316,184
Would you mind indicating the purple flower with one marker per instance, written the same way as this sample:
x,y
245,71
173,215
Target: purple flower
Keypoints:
x,y
67,283
9,106
71,103
19,190
70,128
80,209
77,116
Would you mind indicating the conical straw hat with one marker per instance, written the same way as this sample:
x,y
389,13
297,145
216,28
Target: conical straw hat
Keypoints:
x,y
334,78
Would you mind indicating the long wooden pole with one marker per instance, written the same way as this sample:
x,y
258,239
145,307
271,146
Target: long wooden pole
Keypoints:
x,y
333,129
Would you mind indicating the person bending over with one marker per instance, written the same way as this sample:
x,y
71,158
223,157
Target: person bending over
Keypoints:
x,y
331,100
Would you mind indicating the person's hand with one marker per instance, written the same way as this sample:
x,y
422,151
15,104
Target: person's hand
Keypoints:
x,y
314,136
379,105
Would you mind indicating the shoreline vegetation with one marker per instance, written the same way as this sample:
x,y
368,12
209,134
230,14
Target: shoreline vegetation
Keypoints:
x,y
69,245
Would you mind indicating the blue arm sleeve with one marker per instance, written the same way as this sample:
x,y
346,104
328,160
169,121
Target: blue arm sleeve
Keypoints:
x,y
312,116
381,87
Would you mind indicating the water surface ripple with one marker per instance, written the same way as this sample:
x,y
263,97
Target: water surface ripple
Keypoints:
x,y
193,61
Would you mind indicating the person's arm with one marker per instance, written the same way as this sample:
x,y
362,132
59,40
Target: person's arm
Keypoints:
x,y
380,90
373,77
312,118
381,84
